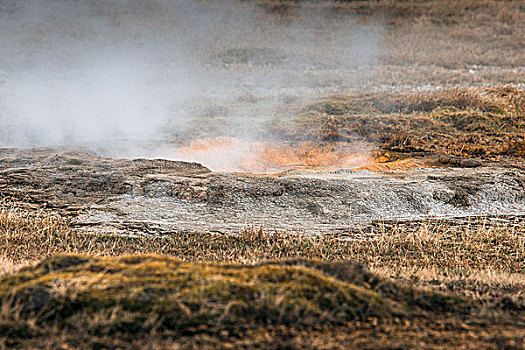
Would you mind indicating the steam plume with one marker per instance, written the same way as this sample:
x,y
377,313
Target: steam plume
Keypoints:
x,y
128,78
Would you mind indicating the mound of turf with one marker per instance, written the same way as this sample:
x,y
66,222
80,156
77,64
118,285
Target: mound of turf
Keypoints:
x,y
186,297
105,302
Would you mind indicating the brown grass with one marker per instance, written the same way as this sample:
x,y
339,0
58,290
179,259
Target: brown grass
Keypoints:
x,y
428,42
435,42
25,237
470,122
482,262
443,10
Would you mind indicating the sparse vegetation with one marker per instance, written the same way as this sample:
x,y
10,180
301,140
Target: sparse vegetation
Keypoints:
x,y
431,245
89,300
429,280
436,42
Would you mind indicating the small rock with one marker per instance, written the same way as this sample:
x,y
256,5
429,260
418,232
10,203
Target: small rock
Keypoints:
x,y
469,163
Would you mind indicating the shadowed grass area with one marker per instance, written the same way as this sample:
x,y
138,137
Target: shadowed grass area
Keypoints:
x,y
187,294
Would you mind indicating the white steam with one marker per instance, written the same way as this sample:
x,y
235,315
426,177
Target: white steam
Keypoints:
x,y
112,75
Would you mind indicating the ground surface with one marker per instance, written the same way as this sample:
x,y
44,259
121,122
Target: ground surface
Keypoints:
x,y
456,152
381,202
159,196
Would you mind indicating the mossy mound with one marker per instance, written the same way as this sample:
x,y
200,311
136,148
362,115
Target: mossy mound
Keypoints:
x,y
187,297
139,300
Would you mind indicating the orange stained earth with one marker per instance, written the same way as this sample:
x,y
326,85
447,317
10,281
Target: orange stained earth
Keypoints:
x,y
237,155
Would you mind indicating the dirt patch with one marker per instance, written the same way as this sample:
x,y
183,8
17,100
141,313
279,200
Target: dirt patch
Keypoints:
x,y
66,178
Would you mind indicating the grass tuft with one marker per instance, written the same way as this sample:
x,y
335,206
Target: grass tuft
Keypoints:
x,y
469,122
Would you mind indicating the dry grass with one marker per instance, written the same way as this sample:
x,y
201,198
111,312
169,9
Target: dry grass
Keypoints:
x,y
178,296
469,122
484,264
82,301
435,42
481,260
482,255
26,237
438,10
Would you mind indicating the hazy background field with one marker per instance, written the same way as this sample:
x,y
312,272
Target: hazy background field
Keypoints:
x,y
139,78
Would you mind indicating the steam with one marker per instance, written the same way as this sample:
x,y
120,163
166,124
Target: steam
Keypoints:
x,y
136,78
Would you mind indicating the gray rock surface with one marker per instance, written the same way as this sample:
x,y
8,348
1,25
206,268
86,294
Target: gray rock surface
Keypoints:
x,y
160,196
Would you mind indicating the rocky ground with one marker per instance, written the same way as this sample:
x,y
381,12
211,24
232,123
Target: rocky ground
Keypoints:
x,y
161,196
